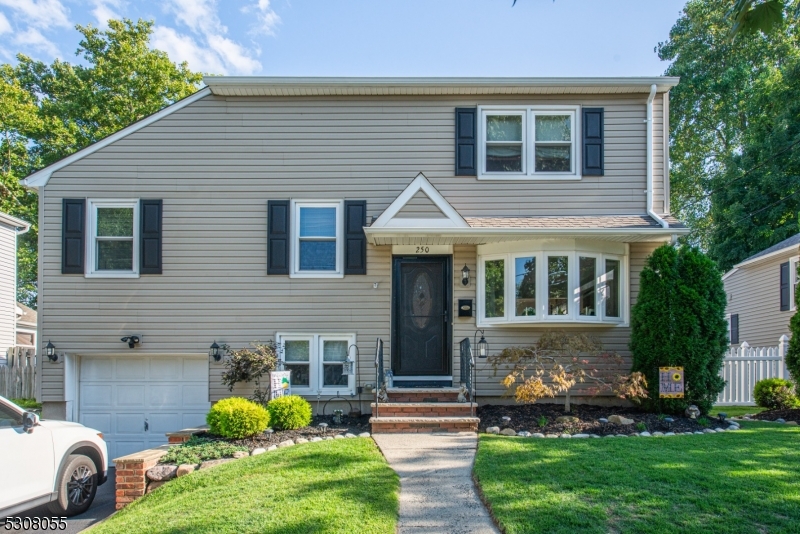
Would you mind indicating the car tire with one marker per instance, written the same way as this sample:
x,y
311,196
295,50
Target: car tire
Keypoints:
x,y
76,486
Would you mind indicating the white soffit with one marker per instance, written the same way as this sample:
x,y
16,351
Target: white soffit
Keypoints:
x,y
420,183
42,176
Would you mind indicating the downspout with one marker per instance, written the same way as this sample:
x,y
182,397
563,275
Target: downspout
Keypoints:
x,y
649,122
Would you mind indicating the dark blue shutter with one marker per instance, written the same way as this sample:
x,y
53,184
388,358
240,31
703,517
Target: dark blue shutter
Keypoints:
x,y
355,240
785,304
150,236
593,142
278,237
735,329
73,235
466,139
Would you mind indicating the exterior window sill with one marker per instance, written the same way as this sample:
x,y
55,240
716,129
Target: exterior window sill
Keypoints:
x,y
316,275
532,177
101,274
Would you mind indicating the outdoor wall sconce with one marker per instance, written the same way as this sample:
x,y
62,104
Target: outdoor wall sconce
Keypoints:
x,y
482,345
213,351
50,351
130,340
465,275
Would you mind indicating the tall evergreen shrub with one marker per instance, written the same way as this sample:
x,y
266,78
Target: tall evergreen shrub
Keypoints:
x,y
679,320
793,354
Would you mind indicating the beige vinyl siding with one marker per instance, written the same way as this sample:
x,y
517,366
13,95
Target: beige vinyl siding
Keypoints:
x,y
420,207
216,162
754,294
659,205
8,288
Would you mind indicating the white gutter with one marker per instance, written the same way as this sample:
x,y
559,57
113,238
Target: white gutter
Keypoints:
x,y
649,122
20,226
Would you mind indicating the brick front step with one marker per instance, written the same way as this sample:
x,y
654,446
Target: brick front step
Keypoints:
x,y
422,394
423,409
383,425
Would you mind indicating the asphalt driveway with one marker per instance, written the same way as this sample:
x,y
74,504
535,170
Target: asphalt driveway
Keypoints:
x,y
102,507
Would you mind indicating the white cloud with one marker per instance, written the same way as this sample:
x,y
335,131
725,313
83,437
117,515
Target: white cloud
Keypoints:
x,y
105,10
200,16
234,55
5,27
267,18
40,14
34,39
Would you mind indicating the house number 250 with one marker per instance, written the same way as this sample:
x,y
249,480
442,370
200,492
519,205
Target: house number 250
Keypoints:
x,y
423,250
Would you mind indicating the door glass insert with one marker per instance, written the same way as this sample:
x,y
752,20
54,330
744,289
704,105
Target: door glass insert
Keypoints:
x,y
422,299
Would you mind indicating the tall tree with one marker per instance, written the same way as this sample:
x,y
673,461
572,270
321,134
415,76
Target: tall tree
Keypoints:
x,y
727,86
50,111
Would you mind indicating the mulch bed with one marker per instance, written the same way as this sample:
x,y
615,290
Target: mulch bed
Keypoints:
x,y
527,417
787,415
354,425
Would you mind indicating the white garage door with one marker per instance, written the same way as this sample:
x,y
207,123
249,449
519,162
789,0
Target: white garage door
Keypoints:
x,y
133,401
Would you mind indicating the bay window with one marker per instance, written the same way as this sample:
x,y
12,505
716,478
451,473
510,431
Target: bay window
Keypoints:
x,y
519,142
580,283
316,362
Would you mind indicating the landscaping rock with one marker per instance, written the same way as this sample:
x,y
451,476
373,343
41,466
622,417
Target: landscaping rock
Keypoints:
x,y
551,436
301,440
214,463
733,427
524,434
708,431
619,420
338,436
508,432
240,454
698,432
656,434
315,439
719,430
185,469
609,436
670,434
272,448
603,420
567,419
780,420
257,451
564,436
791,423
581,436
537,435
645,434
594,435
162,473
327,438
155,485
349,435
364,435
285,443
493,430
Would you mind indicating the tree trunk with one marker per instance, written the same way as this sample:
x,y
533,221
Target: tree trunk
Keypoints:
x,y
567,405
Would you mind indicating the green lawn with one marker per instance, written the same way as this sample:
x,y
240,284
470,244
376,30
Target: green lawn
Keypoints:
x,y
735,411
738,482
331,486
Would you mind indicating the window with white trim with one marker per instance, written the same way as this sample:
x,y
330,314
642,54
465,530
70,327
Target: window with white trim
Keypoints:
x,y
523,142
317,362
113,244
318,239
793,282
573,286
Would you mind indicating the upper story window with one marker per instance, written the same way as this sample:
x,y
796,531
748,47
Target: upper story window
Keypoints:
x,y
113,244
318,239
528,142
571,283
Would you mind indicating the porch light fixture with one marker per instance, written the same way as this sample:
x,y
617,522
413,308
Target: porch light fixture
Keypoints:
x,y
50,351
482,345
465,275
213,351
130,340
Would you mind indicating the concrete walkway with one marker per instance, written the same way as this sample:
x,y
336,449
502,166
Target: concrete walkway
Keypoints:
x,y
436,489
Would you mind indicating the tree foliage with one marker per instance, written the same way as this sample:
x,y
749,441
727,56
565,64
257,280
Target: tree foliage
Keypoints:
x,y
47,112
557,362
734,110
250,364
679,320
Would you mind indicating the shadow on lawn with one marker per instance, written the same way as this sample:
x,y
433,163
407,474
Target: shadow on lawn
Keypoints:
x,y
748,481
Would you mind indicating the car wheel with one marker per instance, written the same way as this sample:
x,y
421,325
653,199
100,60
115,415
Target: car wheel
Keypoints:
x,y
76,486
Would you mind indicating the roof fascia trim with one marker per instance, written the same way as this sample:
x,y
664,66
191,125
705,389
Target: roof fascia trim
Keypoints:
x,y
5,218
729,273
42,176
784,250
420,183
469,231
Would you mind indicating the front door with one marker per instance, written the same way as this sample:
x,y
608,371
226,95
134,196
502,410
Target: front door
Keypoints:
x,y
421,316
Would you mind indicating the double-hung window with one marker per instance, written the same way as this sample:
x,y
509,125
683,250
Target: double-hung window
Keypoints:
x,y
528,142
565,285
318,239
113,245
317,362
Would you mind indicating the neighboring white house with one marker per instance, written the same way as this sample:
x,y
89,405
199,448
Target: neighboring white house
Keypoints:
x,y
760,294
10,228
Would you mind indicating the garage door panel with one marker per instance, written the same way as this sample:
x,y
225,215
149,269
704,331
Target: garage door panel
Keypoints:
x,y
130,396
164,422
195,370
130,423
98,421
166,369
195,396
164,396
191,420
97,369
124,447
96,396
130,369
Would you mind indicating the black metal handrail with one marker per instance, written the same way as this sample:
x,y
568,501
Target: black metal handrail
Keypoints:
x,y
467,370
378,372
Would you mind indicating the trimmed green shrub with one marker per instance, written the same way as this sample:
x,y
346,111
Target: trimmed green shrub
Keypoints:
x,y
775,393
793,354
27,404
679,320
289,412
198,450
236,417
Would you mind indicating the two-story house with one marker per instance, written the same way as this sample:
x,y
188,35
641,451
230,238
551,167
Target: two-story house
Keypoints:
x,y
329,212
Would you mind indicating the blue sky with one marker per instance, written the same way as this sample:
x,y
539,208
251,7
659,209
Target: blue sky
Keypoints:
x,y
366,38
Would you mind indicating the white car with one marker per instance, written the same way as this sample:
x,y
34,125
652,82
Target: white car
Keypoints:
x,y
43,461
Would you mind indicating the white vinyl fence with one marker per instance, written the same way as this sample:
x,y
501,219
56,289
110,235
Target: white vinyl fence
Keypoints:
x,y
18,374
745,366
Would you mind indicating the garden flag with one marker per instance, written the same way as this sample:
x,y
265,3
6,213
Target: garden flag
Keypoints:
x,y
670,382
